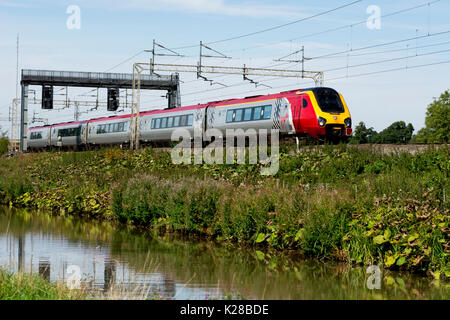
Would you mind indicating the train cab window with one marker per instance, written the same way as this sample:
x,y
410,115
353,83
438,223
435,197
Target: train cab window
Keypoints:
x,y
248,114
164,123
238,116
157,123
305,103
257,113
170,122
267,112
190,120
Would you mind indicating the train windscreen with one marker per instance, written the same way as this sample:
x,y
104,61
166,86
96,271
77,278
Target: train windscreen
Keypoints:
x,y
328,100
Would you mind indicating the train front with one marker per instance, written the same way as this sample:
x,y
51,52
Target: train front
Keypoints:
x,y
329,118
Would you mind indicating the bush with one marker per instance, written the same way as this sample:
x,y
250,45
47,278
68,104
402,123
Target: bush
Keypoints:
x,y
4,143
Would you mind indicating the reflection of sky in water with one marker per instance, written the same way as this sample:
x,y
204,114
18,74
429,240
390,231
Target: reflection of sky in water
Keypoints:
x,y
51,256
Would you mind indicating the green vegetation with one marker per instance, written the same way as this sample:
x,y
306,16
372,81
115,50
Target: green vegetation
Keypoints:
x,y
437,121
4,142
330,202
398,132
437,127
24,286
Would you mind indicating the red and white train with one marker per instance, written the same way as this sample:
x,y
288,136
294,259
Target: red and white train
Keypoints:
x,y
317,112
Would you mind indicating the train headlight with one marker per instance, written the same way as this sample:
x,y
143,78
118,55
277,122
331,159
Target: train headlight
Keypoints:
x,y
348,122
321,121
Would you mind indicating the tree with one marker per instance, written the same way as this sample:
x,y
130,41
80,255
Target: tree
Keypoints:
x,y
437,121
398,132
4,142
363,135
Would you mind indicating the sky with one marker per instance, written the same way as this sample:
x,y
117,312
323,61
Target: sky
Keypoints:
x,y
388,59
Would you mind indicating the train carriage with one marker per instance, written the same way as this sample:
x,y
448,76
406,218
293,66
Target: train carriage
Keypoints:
x,y
38,138
158,125
109,131
67,135
265,112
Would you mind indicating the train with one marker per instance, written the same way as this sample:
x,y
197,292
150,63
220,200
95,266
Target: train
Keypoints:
x,y
319,112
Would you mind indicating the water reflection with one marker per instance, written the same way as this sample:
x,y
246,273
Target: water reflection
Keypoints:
x,y
109,274
21,255
44,268
123,263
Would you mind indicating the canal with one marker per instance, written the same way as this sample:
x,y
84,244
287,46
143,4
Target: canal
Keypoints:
x,y
125,263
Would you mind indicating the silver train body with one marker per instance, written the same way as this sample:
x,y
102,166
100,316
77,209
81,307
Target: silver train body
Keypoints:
x,y
158,125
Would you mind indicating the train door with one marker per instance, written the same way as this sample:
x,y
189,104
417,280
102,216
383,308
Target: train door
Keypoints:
x,y
49,137
296,114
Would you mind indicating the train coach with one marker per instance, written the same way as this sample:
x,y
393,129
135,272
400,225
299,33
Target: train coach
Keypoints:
x,y
318,112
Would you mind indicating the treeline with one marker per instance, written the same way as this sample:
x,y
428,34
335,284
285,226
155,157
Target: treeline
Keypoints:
x,y
437,127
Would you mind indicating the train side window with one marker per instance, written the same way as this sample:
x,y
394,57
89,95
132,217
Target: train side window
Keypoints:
x,y
305,103
157,123
120,127
247,114
176,121
257,113
267,112
170,122
163,122
190,120
115,127
238,117
230,114
153,124
183,121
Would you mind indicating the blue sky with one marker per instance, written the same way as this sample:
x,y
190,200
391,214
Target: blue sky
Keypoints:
x,y
112,31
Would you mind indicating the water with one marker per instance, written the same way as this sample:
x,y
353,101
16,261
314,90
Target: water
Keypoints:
x,y
117,262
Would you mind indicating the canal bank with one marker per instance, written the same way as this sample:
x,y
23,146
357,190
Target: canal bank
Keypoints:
x,y
334,203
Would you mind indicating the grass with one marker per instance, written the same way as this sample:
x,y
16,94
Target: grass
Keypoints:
x,y
330,202
24,286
